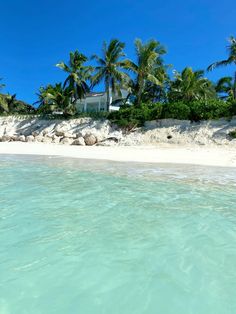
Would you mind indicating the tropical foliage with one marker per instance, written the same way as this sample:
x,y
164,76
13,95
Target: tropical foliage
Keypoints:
x,y
230,60
9,104
109,68
225,88
78,75
130,117
54,98
155,92
232,134
149,70
191,85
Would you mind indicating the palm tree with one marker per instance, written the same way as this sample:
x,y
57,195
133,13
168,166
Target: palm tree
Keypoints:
x,y
44,103
55,97
3,103
109,68
41,94
146,69
11,102
157,93
231,60
225,87
7,103
78,75
190,85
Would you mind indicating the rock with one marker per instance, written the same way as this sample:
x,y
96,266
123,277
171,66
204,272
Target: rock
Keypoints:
x,y
6,138
66,141
90,139
49,135
110,141
48,129
79,141
69,135
79,135
13,138
39,138
107,143
29,138
59,133
61,130
55,139
151,124
35,133
21,138
165,123
47,139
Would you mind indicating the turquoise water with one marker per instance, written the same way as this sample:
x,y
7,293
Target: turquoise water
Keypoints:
x,y
81,236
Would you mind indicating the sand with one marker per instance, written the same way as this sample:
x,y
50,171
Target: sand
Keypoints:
x,y
197,155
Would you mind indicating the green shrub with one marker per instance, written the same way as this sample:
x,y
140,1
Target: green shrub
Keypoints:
x,y
129,117
232,133
212,109
176,110
128,124
233,107
154,111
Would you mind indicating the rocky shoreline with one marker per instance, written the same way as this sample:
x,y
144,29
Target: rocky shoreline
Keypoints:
x,y
86,131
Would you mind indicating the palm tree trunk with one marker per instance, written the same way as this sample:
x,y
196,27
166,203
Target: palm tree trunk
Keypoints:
x,y
234,86
139,97
126,99
140,90
108,96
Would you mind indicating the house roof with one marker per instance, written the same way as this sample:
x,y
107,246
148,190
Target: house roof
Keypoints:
x,y
95,94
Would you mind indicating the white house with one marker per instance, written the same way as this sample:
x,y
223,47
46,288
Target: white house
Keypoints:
x,y
95,101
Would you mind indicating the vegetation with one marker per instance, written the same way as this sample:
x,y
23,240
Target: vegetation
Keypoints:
x,y
225,88
130,117
230,60
232,134
9,104
191,85
56,98
149,70
78,76
155,93
109,67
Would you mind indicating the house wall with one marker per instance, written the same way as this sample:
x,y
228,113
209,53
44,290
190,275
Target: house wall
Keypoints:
x,y
91,104
97,103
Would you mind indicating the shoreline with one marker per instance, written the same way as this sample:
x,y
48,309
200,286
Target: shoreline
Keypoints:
x,y
221,156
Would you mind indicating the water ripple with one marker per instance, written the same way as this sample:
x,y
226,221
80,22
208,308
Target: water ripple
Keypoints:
x,y
102,237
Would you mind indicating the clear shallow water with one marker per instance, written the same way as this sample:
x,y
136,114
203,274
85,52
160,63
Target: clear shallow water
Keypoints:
x,y
81,236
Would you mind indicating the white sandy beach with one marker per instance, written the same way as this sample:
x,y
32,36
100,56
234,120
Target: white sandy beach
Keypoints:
x,y
196,155
165,141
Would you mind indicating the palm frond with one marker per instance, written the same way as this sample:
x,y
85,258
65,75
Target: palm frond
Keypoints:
x,y
218,64
63,66
151,78
231,48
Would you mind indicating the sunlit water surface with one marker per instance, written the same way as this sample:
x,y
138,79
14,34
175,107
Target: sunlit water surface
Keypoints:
x,y
81,236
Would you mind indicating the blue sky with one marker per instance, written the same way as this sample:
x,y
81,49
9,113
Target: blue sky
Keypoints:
x,y
36,34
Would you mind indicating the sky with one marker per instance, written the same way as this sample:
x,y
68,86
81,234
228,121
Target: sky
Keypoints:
x,y
37,34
